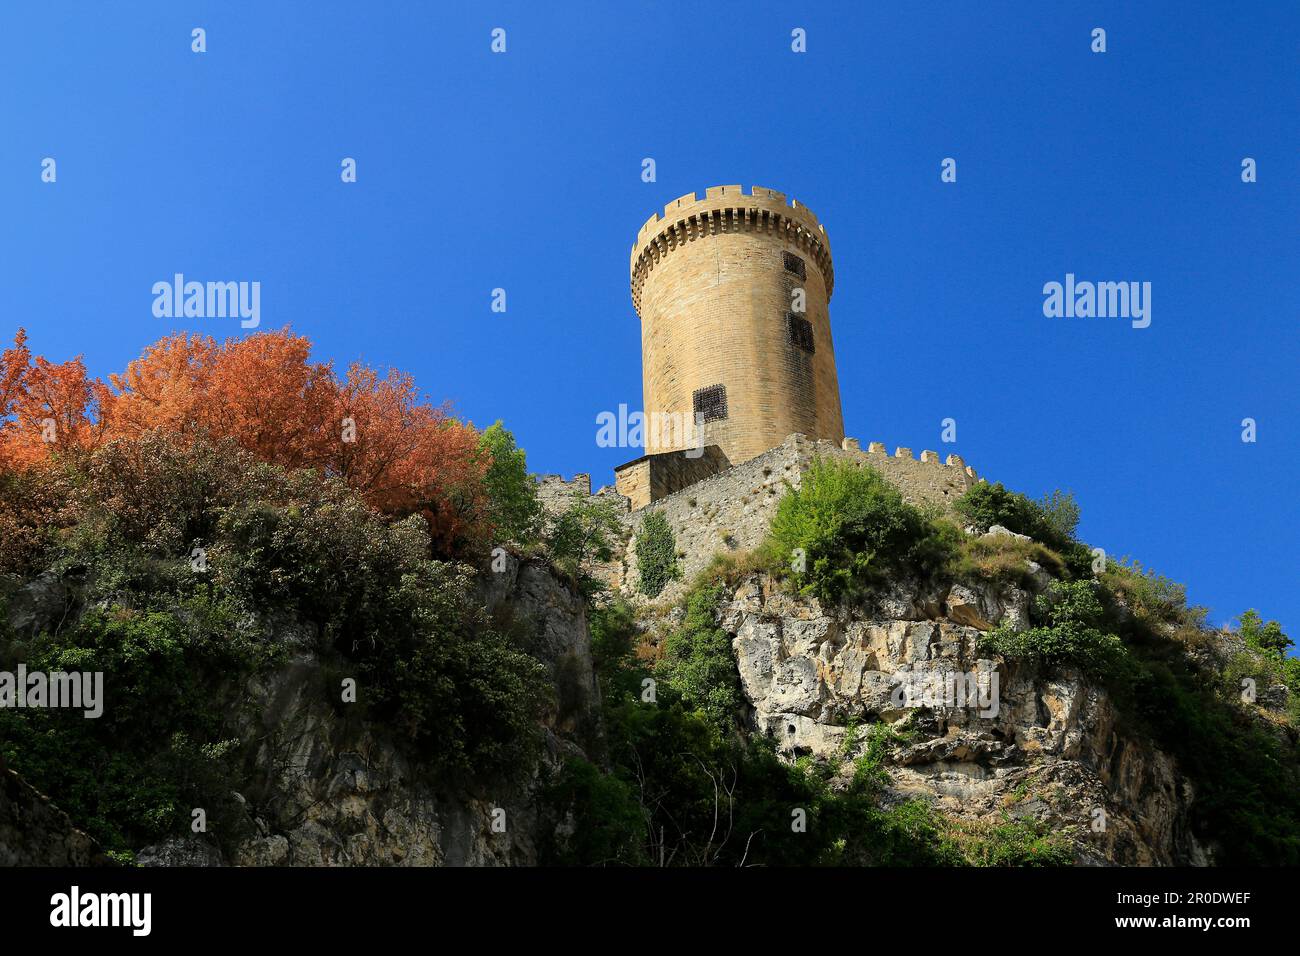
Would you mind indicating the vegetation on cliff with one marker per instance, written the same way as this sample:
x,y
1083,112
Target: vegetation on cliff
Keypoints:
x,y
184,558
187,527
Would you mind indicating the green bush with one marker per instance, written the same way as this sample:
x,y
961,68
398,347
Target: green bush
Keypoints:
x,y
427,656
607,827
853,530
160,748
582,533
1071,634
1267,638
1051,521
698,663
656,554
1153,599
613,631
1012,842
177,637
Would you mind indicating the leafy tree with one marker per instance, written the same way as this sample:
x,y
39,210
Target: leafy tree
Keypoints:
x,y
513,507
1060,511
46,408
1263,637
698,663
583,533
375,431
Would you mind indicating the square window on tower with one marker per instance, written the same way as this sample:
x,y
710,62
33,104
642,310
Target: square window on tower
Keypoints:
x,y
794,265
710,403
801,332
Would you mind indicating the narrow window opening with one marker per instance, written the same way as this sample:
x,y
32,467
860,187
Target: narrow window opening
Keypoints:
x,y
710,403
801,333
793,264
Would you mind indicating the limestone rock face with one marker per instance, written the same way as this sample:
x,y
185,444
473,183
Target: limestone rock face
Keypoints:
x,y
1012,742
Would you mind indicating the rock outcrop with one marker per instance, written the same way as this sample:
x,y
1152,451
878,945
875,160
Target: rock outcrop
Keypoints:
x,y
980,738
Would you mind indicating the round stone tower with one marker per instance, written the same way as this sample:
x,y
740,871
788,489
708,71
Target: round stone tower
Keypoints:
x,y
733,292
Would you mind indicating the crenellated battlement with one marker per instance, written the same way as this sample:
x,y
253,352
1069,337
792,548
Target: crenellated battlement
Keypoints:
x,y
728,209
927,457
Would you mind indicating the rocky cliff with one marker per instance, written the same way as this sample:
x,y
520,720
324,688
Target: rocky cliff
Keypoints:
x,y
319,787
1040,747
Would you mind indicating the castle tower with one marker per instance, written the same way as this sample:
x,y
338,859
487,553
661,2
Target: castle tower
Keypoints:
x,y
717,283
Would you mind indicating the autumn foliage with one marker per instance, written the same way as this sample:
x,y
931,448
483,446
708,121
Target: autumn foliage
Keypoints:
x,y
399,452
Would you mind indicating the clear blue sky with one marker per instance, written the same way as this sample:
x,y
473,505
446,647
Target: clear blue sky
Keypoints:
x,y
522,171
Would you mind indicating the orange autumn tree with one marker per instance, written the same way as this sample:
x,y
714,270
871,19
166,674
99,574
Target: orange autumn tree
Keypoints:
x,y
407,456
46,407
401,454
261,391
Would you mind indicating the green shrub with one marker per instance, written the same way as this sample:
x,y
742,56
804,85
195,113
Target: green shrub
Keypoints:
x,y
583,532
160,748
656,554
1153,599
1070,634
1051,521
35,504
698,663
1012,842
613,631
177,639
463,691
1267,638
605,824
852,530
1060,513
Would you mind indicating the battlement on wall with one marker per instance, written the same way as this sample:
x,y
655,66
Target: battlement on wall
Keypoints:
x,y
728,209
555,493
732,510
901,453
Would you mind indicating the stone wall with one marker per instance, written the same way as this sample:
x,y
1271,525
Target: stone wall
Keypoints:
x,y
652,477
732,511
555,494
